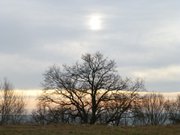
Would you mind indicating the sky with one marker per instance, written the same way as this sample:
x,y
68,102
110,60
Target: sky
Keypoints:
x,y
142,36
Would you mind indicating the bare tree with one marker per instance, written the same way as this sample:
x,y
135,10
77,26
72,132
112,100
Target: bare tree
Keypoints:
x,y
174,110
39,115
151,110
12,105
47,114
118,105
84,87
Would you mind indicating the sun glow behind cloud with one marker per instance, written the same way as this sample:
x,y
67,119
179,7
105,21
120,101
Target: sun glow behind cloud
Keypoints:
x,y
95,22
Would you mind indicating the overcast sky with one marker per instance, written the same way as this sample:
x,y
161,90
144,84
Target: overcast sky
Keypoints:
x,y
142,36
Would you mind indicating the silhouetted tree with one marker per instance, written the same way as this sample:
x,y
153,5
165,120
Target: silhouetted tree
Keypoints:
x,y
39,115
12,105
47,114
174,110
85,87
118,105
151,110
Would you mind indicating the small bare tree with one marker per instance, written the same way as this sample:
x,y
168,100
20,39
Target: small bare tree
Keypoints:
x,y
47,114
12,105
39,115
151,110
118,105
174,110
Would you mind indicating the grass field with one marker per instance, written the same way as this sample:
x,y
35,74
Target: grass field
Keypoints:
x,y
88,130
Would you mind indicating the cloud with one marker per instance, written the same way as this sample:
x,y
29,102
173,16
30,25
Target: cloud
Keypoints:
x,y
70,50
142,36
160,79
171,73
22,72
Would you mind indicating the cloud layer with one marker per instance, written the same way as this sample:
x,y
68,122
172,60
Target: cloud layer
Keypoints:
x,y
142,36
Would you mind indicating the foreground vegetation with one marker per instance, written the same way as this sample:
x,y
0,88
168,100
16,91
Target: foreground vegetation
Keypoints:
x,y
88,130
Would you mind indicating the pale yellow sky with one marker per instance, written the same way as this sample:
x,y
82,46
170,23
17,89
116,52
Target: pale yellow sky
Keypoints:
x,y
31,96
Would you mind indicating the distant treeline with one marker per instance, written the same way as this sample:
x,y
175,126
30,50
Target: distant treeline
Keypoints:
x,y
150,109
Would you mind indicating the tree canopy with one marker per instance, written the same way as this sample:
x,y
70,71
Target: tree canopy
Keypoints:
x,y
90,89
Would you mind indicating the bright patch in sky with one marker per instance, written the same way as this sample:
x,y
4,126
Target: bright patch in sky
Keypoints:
x,y
95,22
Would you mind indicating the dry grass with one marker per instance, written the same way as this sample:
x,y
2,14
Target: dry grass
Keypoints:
x,y
88,130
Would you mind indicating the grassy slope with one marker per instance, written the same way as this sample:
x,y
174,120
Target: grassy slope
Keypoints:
x,y
88,130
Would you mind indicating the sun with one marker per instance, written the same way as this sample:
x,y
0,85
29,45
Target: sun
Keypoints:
x,y
95,22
